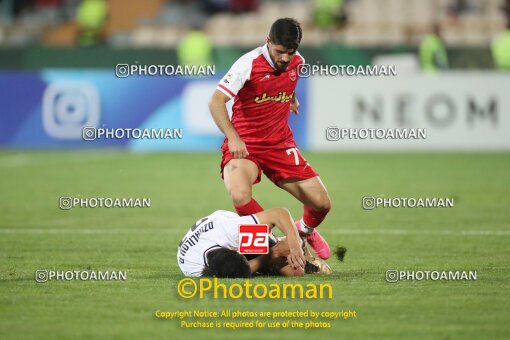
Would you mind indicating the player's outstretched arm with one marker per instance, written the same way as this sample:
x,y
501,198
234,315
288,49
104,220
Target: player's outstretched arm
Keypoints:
x,y
218,108
281,217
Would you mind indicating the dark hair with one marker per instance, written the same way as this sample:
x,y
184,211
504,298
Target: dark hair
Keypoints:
x,y
286,32
223,262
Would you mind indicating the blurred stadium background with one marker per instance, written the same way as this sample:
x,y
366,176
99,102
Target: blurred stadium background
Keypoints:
x,y
57,74
464,44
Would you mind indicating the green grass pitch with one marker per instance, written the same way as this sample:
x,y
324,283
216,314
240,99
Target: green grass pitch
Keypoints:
x,y
36,234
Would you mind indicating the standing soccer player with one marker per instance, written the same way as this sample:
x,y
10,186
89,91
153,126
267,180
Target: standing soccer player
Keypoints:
x,y
258,138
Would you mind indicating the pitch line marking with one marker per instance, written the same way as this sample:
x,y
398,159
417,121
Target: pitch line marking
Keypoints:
x,y
397,232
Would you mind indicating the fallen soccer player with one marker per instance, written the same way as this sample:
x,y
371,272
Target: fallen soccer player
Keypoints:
x,y
210,248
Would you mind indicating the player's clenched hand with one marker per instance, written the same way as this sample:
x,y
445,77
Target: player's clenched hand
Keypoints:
x,y
296,258
237,148
294,106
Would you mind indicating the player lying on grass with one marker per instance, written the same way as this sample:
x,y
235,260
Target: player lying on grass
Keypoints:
x,y
210,248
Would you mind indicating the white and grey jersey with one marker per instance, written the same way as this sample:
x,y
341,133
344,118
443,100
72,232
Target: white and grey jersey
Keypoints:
x,y
220,229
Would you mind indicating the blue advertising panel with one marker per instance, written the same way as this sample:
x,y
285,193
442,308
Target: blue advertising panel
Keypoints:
x,y
49,110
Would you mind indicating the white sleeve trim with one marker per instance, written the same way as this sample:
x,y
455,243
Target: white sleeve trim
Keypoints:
x,y
238,74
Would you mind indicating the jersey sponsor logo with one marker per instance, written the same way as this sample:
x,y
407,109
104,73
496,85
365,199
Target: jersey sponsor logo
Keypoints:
x,y
282,97
253,239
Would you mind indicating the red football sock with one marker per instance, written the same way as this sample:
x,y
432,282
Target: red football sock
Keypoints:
x,y
252,207
313,218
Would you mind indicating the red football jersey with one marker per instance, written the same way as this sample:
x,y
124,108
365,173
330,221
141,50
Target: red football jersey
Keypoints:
x,y
262,98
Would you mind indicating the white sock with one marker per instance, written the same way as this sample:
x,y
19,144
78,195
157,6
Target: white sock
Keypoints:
x,y
306,229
